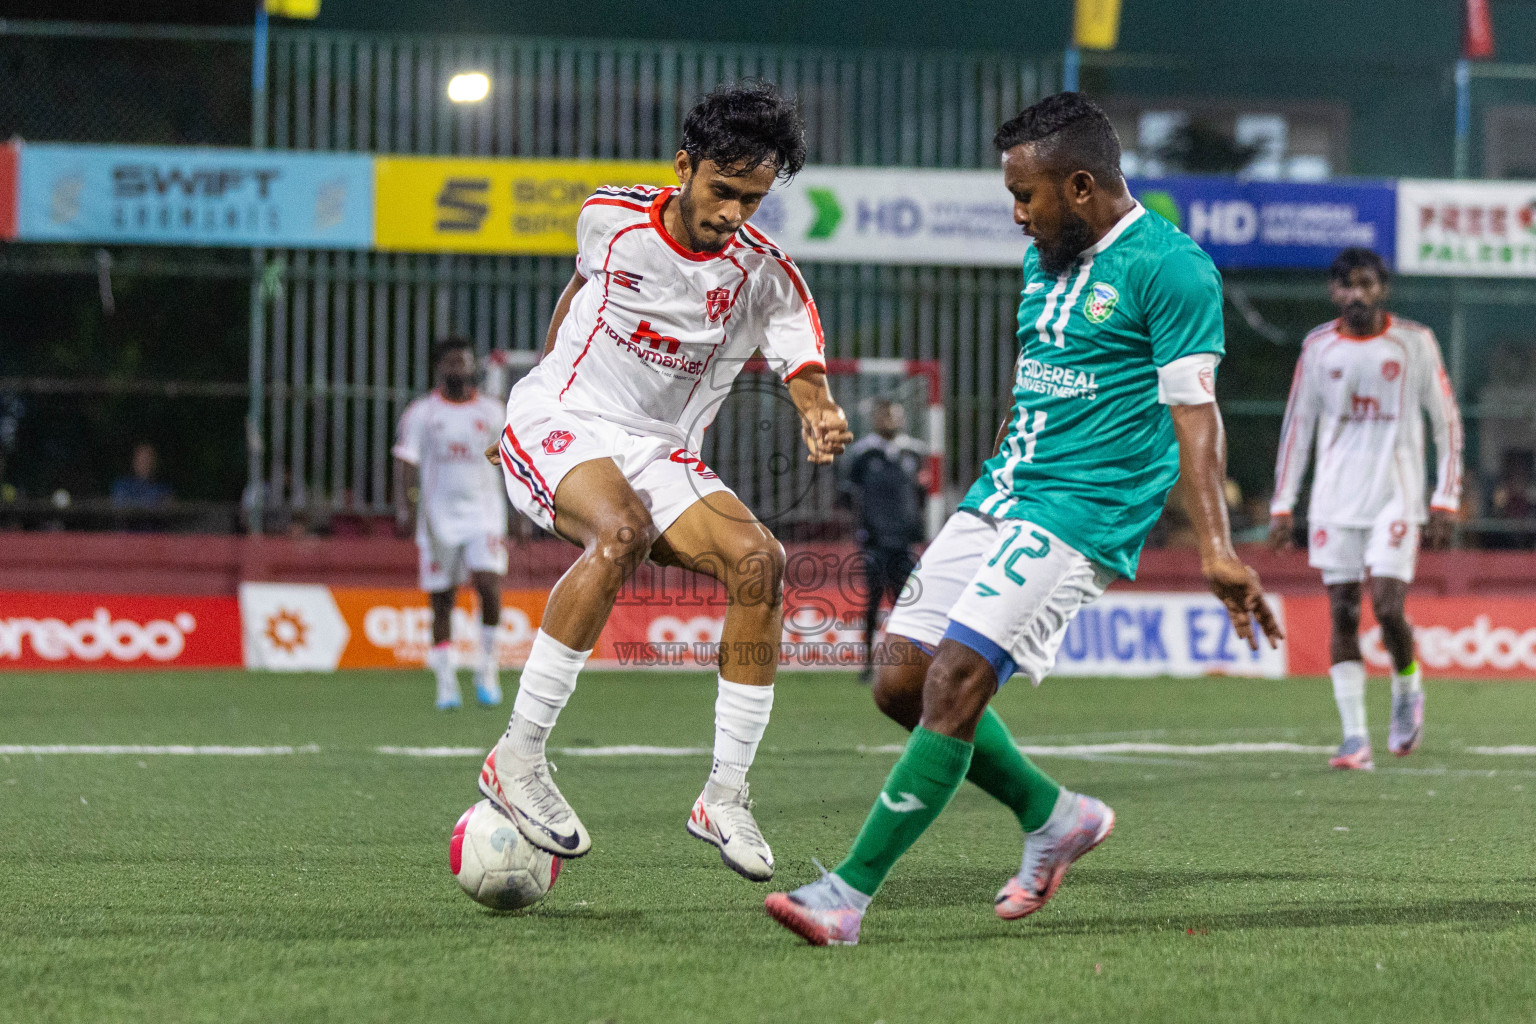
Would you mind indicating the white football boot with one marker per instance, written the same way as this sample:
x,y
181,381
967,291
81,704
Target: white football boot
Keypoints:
x,y
723,818
488,685
525,788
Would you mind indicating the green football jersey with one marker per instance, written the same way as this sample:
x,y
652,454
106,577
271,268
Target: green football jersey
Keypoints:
x,y
1090,452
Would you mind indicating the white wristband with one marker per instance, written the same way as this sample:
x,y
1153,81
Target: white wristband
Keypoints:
x,y
1190,380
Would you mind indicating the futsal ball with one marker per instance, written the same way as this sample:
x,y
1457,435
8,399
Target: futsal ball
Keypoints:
x,y
494,864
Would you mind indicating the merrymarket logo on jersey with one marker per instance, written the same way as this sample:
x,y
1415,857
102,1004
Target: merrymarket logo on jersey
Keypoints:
x,y
1057,381
1100,302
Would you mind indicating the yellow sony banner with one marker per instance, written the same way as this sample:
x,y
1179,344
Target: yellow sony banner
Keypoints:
x,y
1096,24
449,204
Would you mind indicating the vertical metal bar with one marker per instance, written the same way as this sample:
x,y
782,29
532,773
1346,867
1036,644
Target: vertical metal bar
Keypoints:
x,y
282,92
565,95
440,58
968,113
425,101
624,137
400,342
320,295
322,113
667,134
911,114
278,490
383,108
303,136
647,70
298,403
378,403
607,87
362,138
505,95
340,345
405,74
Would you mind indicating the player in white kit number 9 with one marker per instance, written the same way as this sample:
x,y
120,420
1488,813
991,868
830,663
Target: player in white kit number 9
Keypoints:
x,y
1362,386
673,291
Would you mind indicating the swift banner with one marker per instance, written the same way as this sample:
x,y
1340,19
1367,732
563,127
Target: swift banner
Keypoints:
x,y
191,196
1467,228
446,204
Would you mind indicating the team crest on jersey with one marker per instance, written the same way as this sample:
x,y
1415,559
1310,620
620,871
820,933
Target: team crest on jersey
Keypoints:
x,y
1100,302
558,441
1390,369
716,302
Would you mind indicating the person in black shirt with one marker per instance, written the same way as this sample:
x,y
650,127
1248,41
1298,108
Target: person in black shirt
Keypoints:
x,y
883,481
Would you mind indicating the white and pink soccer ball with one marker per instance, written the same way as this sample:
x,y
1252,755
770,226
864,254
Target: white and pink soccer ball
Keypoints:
x,y
494,864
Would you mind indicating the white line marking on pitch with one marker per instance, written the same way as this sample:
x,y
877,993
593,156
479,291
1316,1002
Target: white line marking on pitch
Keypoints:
x,y
621,751
174,749
1099,749
1507,751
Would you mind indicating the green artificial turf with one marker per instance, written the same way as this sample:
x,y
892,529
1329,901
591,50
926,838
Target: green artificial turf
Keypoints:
x,y
313,886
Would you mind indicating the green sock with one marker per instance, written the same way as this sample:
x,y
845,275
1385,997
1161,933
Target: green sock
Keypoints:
x,y
927,775
1001,771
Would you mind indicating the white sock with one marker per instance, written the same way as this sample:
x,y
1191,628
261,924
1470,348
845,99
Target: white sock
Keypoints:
x,y
1349,694
741,716
1405,683
440,661
547,682
488,652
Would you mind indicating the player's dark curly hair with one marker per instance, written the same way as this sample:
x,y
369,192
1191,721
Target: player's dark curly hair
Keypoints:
x,y
1073,132
1354,258
450,343
744,125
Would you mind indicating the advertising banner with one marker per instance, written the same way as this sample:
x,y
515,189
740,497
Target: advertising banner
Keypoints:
x,y
1460,637
194,196
448,204
9,155
1466,228
296,627
887,215
874,215
115,631
1255,224
1145,634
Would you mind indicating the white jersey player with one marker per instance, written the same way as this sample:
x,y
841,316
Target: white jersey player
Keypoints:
x,y
459,511
673,291
1362,388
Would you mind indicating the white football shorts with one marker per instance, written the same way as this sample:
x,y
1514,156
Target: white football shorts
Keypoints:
x,y
446,566
1344,553
1002,584
543,441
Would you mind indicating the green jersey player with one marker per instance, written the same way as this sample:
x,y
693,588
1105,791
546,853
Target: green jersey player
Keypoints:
x,y
1114,397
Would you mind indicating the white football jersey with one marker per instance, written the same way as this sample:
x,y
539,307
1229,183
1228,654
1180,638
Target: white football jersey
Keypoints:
x,y
462,495
1365,399
655,338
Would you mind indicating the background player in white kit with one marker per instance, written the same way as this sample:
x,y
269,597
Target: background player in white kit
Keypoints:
x,y
453,503
1362,385
673,291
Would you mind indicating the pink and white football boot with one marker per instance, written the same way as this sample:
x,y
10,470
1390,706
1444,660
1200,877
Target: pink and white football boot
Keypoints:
x,y
1354,754
1077,824
827,912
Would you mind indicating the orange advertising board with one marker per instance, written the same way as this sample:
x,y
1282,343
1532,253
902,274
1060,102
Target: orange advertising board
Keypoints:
x,y
393,628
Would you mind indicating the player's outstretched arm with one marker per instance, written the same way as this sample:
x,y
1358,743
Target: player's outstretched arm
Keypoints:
x,y
562,308
410,493
822,421
1203,463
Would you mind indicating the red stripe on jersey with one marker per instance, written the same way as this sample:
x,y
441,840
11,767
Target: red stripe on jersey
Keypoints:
x,y
794,276
527,461
598,319
598,201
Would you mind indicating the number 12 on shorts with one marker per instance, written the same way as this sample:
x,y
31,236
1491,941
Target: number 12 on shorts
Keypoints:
x,y
1039,549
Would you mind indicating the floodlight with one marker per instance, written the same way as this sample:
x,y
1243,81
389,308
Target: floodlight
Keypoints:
x,y
469,87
